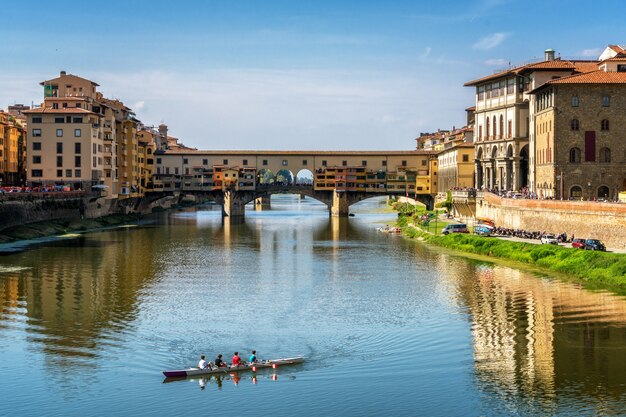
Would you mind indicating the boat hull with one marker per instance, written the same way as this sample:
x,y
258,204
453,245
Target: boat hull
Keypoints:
x,y
182,373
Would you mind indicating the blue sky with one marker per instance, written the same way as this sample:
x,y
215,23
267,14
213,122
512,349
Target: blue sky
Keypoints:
x,y
292,74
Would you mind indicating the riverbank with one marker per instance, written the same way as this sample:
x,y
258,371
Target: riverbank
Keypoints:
x,y
53,228
596,270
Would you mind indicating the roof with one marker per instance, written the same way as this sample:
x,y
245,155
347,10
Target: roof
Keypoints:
x,y
618,49
298,153
50,110
556,64
595,77
67,75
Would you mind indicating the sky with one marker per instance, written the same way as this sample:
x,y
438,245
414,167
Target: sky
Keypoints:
x,y
293,75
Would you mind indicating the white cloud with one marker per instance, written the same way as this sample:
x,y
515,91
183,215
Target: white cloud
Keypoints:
x,y
499,62
595,52
140,105
491,41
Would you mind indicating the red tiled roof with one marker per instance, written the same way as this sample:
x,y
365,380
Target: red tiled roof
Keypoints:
x,y
42,110
617,49
595,77
556,64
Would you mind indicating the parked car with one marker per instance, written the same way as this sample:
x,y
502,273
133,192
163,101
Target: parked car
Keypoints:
x,y
549,240
594,244
578,243
455,228
483,230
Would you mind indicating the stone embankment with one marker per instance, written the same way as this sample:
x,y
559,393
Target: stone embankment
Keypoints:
x,y
584,219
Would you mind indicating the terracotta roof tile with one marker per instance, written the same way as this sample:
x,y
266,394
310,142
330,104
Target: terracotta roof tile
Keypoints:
x,y
50,110
557,64
595,77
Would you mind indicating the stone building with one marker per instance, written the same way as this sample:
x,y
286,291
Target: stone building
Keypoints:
x,y
12,153
503,135
580,151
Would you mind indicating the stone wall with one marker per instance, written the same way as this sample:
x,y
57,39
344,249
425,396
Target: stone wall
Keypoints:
x,y
585,219
19,212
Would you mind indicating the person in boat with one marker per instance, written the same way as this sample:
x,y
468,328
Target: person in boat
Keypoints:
x,y
203,364
253,358
236,360
219,362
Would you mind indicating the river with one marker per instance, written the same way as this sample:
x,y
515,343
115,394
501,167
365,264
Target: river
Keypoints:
x,y
388,326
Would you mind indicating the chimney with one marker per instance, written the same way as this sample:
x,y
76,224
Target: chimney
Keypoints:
x,y
549,55
63,73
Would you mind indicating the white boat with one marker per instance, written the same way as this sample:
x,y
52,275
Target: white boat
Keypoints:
x,y
272,363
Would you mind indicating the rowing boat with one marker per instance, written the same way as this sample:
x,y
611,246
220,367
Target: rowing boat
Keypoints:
x,y
272,363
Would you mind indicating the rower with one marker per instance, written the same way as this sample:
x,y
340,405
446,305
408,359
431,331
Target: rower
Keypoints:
x,y
253,358
237,360
203,364
219,362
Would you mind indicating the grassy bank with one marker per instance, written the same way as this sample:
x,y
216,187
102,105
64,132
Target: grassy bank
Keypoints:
x,y
61,227
593,269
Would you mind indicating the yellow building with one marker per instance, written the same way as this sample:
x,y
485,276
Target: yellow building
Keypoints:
x,y
12,142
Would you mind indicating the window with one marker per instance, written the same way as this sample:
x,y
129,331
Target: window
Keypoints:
x,y
305,162
424,162
68,172
265,162
59,161
606,101
621,68
225,161
403,163
480,132
55,106
604,124
78,119
59,173
158,160
36,133
77,147
77,133
59,119
501,126
59,133
575,101
324,163
576,192
574,156
344,163
205,162
37,119
185,161
77,161
284,162
574,124
510,128
68,119
36,146
384,163
364,163
245,162
36,159
590,146
465,158
77,173
605,155
481,93
36,173
176,171
59,147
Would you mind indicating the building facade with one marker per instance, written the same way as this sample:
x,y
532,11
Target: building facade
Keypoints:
x,y
12,151
503,132
580,152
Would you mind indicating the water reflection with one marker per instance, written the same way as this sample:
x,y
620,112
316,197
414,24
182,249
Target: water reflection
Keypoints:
x,y
542,338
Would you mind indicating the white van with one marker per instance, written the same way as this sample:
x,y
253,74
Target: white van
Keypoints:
x,y
455,228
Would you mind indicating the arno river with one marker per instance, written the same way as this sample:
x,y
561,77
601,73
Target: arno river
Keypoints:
x,y
389,327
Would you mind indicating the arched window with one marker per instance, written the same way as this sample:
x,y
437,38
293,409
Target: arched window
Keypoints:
x,y
576,192
603,192
494,127
487,128
574,124
574,156
501,126
605,155
604,124
575,101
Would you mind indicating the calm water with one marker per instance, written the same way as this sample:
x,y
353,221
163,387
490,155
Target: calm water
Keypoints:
x,y
389,327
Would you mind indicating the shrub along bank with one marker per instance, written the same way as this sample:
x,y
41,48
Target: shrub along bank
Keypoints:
x,y
593,269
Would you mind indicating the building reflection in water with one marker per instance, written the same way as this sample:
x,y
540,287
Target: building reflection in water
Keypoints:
x,y
537,337
75,295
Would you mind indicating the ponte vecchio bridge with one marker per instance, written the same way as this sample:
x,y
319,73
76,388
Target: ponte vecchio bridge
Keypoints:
x,y
336,178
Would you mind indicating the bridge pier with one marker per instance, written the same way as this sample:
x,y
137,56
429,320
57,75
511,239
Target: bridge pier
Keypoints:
x,y
340,204
233,205
262,203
